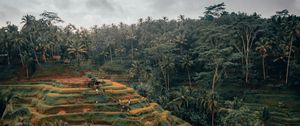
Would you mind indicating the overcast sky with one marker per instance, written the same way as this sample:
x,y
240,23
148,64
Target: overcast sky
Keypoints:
x,y
87,13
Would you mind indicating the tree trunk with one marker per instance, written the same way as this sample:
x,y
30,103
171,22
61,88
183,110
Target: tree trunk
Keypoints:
x,y
44,55
104,59
8,61
213,117
78,61
215,78
22,61
263,65
247,67
53,50
168,81
36,58
35,55
288,63
21,58
189,76
139,80
132,51
110,52
27,72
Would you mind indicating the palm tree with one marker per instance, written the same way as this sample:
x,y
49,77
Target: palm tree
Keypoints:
x,y
148,19
30,32
186,63
140,21
76,48
5,44
181,40
110,41
47,38
120,52
262,47
43,45
10,35
131,38
28,21
104,54
183,98
18,44
181,18
212,106
2,34
165,19
26,59
167,65
293,34
135,70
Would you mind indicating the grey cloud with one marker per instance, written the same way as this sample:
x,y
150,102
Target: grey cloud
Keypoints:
x,y
264,7
173,5
100,4
163,5
2,15
284,3
8,13
173,8
62,4
97,12
9,10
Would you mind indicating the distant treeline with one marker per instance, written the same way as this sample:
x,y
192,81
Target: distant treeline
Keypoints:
x,y
220,47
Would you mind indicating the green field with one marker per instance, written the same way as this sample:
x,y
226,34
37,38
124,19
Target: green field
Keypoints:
x,y
42,103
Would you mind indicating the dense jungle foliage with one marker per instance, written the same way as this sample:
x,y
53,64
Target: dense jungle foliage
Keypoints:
x,y
199,69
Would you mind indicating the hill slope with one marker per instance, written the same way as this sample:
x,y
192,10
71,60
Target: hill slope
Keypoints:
x,y
70,101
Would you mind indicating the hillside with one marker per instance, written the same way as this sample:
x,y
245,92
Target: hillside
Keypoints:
x,y
217,67
70,101
282,103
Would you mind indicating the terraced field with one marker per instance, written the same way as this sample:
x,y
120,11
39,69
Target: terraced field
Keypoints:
x,y
60,101
283,105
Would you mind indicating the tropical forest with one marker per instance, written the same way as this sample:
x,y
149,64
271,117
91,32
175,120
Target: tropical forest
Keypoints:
x,y
224,68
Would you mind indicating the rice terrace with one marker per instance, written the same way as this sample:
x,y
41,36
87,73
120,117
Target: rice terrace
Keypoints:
x,y
68,100
149,63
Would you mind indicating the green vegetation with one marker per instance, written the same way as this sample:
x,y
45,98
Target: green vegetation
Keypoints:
x,y
45,104
225,68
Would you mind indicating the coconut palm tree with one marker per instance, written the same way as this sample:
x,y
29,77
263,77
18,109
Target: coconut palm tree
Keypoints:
x,y
134,71
31,33
181,18
17,45
165,19
9,36
186,63
294,33
5,43
28,21
262,47
76,49
212,105
183,98
26,59
131,38
167,65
